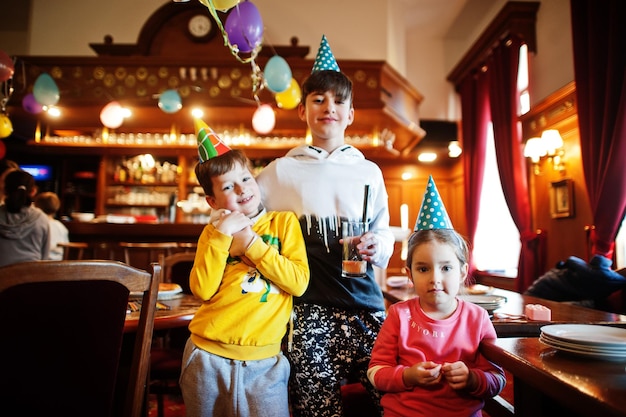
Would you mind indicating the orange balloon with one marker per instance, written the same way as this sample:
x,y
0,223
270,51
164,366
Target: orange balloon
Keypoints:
x,y
289,98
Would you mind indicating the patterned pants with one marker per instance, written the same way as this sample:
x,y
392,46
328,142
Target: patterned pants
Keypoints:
x,y
330,346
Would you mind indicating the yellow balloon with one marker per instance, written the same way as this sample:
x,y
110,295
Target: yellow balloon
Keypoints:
x,y
6,127
289,98
224,5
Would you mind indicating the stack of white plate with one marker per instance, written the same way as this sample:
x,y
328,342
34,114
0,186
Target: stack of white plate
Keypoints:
x,y
593,341
399,282
488,302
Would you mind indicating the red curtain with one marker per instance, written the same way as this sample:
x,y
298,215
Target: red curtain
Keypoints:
x,y
599,41
507,131
474,94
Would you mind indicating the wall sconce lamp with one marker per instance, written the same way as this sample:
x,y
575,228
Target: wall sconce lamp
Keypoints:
x,y
454,149
550,144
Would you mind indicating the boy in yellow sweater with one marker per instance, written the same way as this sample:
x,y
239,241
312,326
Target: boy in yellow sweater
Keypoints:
x,y
249,264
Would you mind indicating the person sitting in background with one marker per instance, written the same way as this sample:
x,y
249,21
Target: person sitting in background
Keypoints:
x,y
24,229
591,284
6,166
49,203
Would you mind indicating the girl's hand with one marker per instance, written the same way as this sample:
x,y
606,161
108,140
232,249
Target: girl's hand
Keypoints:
x,y
423,373
458,375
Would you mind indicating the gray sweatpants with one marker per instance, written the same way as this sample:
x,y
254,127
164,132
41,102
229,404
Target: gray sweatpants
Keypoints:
x,y
216,386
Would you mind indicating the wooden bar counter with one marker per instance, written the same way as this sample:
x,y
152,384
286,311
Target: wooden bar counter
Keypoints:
x,y
103,238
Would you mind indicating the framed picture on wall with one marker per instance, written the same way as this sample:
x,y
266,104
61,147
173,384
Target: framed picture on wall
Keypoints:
x,y
562,199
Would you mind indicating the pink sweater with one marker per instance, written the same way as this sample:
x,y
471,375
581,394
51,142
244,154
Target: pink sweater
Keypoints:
x,y
408,336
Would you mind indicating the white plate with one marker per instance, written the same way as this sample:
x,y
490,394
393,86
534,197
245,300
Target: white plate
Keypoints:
x,y
478,289
488,302
588,334
167,291
582,347
618,357
398,281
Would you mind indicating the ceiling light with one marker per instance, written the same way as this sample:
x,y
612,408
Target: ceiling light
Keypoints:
x,y
427,157
197,113
53,111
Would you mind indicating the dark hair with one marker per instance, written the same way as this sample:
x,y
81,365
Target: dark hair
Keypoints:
x,y
7,164
219,165
327,80
48,202
446,236
18,188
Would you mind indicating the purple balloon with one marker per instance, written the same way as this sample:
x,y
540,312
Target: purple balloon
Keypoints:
x,y
244,26
31,105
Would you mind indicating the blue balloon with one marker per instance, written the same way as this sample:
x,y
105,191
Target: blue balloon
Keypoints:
x,y
277,74
45,90
170,102
244,26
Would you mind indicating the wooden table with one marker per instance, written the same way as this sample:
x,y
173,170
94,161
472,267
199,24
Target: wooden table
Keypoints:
x,y
182,309
547,382
562,312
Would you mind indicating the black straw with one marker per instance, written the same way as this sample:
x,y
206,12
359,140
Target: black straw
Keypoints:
x,y
365,202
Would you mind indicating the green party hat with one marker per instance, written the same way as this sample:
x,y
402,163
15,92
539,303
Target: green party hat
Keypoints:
x,y
209,144
325,60
433,214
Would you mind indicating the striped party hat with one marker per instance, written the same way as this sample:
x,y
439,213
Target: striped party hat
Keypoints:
x,y
433,214
209,144
325,60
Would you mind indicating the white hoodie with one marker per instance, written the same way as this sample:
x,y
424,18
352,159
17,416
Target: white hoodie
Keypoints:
x,y
322,189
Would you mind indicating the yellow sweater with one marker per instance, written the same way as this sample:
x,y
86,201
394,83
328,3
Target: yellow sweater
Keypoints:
x,y
245,310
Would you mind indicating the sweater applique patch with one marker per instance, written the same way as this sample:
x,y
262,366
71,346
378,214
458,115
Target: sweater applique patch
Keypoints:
x,y
272,241
255,282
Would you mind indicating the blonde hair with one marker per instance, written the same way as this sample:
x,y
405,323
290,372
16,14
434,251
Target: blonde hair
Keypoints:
x,y
48,202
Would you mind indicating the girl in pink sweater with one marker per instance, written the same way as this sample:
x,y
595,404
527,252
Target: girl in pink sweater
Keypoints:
x,y
426,359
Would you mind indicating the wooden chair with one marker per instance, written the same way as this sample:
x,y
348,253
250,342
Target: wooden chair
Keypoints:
x,y
62,326
177,267
166,360
73,250
146,252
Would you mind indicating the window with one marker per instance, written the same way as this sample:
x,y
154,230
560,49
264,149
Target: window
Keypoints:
x,y
497,242
522,80
620,246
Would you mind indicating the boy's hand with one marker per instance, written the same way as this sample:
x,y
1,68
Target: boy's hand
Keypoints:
x,y
241,241
368,246
233,222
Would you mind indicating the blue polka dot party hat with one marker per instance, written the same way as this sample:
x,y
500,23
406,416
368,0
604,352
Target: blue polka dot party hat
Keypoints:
x,y
325,60
433,214
209,144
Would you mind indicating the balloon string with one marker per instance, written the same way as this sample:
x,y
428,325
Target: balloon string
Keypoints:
x,y
233,49
257,81
7,92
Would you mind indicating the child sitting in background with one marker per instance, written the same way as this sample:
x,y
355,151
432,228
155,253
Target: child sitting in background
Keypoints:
x,y
426,359
49,203
24,229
